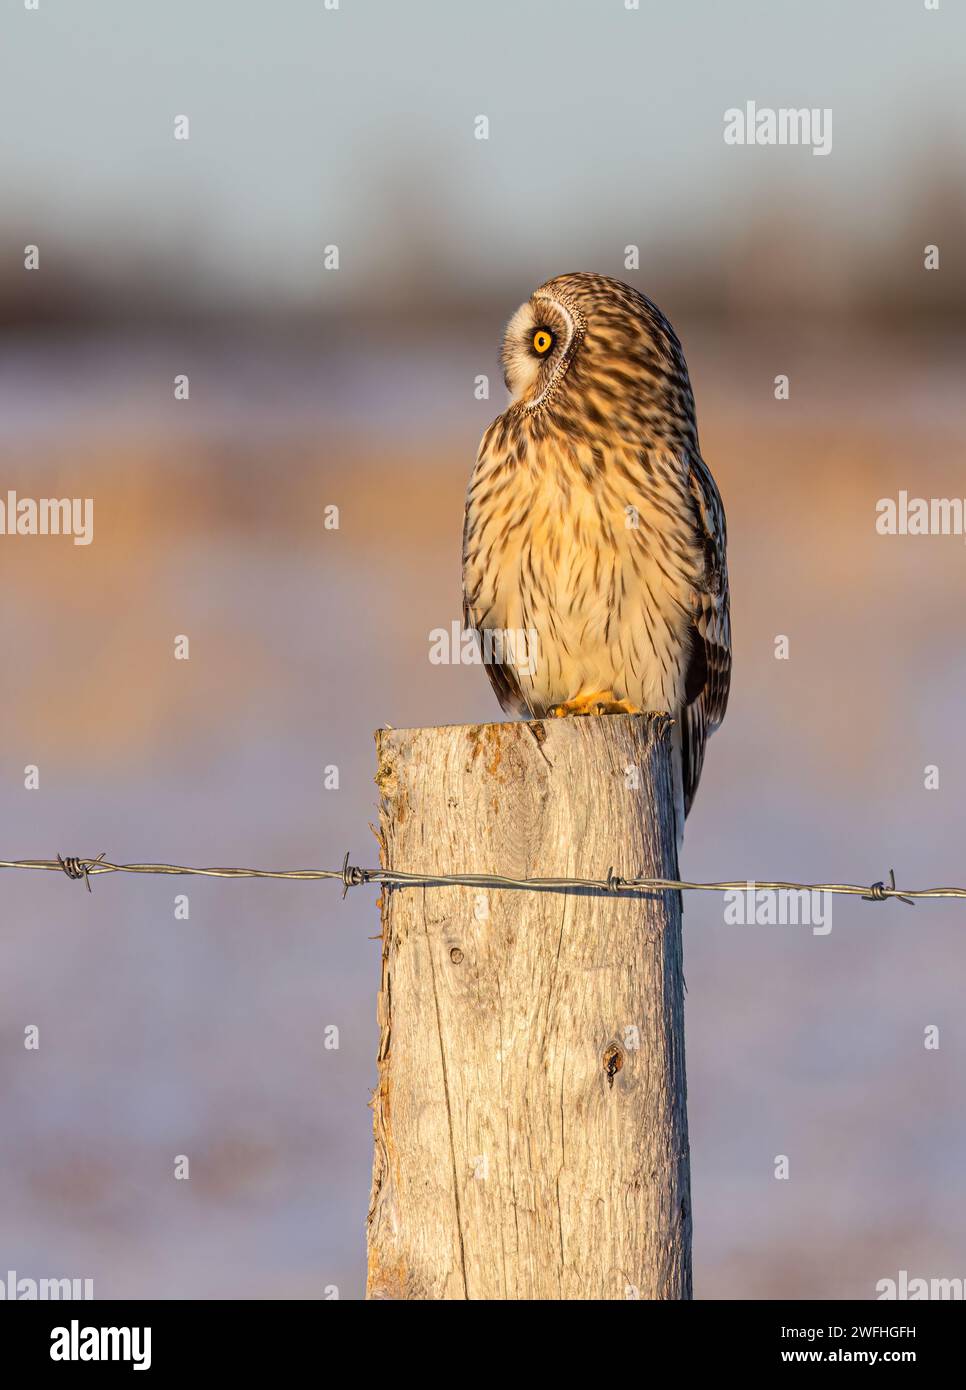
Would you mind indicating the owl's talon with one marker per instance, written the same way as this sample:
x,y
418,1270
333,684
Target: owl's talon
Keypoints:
x,y
597,702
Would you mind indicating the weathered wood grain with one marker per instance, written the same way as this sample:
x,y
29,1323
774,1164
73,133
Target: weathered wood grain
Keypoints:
x,y
530,1115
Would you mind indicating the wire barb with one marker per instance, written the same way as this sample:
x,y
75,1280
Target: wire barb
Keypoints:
x,y
352,876
614,881
879,893
80,868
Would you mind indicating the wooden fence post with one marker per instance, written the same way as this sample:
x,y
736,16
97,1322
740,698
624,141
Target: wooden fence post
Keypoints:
x,y
530,1115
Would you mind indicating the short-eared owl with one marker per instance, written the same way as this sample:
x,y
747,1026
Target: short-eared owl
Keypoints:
x,y
594,544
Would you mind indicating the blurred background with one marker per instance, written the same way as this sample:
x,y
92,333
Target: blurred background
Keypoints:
x,y
354,388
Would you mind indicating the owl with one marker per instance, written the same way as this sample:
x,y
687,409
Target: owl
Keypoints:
x,y
594,570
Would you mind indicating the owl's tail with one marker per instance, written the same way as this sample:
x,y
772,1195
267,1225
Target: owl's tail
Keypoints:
x,y
677,782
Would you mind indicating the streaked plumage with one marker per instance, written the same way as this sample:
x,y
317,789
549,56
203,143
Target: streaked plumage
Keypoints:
x,y
593,523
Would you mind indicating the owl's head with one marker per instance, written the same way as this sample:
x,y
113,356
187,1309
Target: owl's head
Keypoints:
x,y
592,343
539,344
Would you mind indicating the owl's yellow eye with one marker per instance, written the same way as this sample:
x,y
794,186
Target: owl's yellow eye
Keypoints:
x,y
542,341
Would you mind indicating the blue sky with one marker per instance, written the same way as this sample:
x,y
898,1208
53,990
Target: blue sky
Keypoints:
x,y
311,126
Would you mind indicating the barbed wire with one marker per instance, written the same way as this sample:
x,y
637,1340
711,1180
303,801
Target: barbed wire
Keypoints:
x,y
351,876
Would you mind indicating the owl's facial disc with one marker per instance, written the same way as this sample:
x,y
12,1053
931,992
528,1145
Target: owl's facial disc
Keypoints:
x,y
537,348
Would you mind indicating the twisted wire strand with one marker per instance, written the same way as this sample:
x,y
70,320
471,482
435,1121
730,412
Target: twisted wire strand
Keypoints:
x,y
351,876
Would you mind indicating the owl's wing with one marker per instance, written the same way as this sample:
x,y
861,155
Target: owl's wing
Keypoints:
x,y
502,676
708,678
